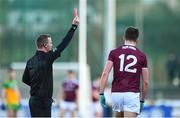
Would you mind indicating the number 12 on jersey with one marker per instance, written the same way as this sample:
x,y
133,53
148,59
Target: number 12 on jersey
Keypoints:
x,y
127,68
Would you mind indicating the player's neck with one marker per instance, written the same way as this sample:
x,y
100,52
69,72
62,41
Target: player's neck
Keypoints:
x,y
132,43
42,49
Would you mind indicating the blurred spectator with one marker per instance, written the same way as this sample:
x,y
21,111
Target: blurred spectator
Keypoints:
x,y
11,94
171,66
97,109
68,95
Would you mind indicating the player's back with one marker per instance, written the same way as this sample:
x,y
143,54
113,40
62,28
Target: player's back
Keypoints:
x,y
128,62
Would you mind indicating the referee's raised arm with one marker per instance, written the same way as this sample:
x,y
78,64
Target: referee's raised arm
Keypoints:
x,y
66,40
69,35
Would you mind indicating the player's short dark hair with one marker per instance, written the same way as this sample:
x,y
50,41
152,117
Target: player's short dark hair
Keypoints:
x,y
10,69
71,72
42,40
131,33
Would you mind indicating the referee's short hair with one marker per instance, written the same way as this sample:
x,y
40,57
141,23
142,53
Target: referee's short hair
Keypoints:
x,y
42,40
131,33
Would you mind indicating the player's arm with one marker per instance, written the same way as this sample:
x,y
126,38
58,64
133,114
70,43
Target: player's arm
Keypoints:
x,y
77,98
66,40
25,78
104,76
95,94
145,74
3,95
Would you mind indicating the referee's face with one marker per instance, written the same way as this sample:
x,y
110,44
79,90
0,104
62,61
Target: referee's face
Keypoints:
x,y
49,44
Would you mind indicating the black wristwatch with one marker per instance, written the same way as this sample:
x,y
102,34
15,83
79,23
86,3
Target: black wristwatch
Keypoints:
x,y
101,93
74,26
142,101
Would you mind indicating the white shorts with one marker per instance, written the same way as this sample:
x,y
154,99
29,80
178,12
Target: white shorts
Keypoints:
x,y
69,106
96,106
126,101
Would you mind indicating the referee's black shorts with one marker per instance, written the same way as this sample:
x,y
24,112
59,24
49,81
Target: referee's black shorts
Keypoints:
x,y
40,107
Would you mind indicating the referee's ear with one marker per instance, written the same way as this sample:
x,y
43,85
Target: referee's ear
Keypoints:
x,y
45,45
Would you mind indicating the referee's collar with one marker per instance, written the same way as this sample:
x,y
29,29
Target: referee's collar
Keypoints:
x,y
39,52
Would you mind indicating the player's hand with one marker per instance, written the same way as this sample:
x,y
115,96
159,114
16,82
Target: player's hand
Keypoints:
x,y
102,100
141,105
76,21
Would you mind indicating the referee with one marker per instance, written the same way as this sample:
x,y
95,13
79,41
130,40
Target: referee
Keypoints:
x,y
38,72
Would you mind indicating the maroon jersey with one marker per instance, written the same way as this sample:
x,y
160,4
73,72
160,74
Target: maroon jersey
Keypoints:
x,y
128,62
69,89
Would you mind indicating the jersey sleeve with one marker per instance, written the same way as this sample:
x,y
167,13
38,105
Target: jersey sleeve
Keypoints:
x,y
144,63
77,86
5,84
54,54
111,56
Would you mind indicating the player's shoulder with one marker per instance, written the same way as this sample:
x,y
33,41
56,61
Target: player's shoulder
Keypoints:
x,y
65,80
31,58
141,53
75,81
116,49
31,61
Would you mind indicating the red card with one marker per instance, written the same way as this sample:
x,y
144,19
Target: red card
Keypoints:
x,y
75,12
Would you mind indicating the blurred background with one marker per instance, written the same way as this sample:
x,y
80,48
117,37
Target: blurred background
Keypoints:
x,y
21,21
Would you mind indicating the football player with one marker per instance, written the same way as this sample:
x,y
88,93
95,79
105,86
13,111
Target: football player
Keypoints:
x,y
128,64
